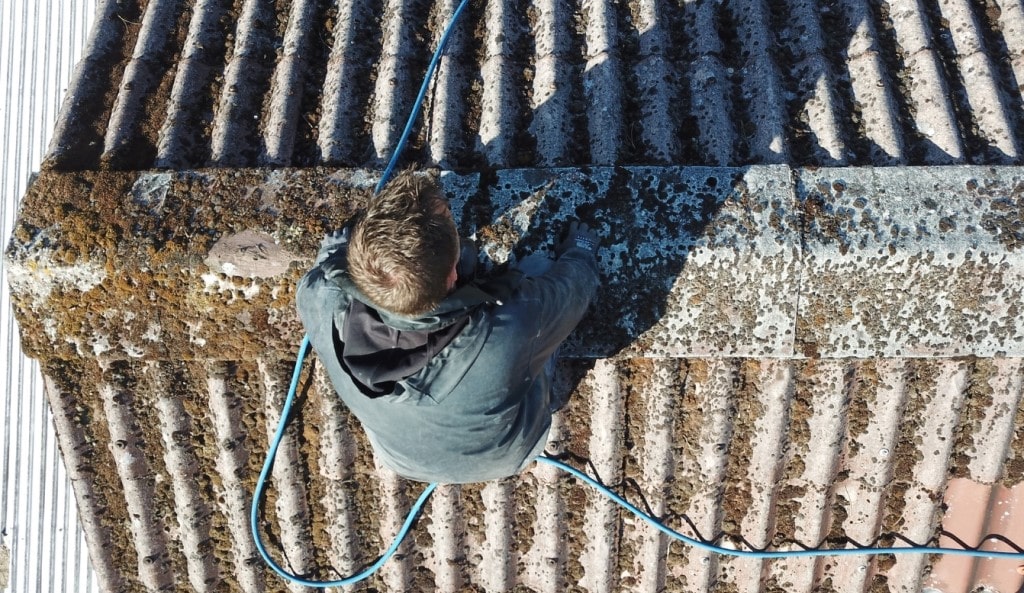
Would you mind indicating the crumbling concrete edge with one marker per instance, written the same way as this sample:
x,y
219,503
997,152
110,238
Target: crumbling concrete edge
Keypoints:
x,y
762,261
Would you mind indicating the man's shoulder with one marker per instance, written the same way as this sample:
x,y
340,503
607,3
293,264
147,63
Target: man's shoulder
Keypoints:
x,y
323,289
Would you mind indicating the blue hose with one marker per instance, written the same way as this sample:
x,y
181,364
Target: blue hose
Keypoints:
x,y
419,97
770,554
601,488
257,498
418,506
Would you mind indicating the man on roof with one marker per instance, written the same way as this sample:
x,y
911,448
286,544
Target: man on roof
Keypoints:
x,y
449,374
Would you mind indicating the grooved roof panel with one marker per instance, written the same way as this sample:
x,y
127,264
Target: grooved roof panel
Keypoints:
x,y
845,82
763,451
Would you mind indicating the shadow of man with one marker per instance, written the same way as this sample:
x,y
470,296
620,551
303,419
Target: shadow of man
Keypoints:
x,y
693,260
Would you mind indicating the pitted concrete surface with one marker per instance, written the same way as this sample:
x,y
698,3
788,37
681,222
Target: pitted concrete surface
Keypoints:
x,y
760,261
5,566
912,262
696,261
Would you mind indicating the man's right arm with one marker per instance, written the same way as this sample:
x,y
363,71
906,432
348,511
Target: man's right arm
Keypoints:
x,y
561,296
331,244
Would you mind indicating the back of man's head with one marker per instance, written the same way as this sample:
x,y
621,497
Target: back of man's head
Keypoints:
x,y
404,245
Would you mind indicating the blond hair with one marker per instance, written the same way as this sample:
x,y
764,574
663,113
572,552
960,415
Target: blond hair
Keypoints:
x,y
404,245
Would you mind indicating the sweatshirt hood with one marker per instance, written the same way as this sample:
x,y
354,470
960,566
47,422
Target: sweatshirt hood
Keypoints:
x,y
379,348
377,355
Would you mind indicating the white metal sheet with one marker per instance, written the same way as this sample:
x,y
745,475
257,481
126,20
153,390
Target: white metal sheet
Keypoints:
x,y
42,548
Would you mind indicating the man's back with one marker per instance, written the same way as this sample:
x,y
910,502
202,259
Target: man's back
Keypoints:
x,y
477,408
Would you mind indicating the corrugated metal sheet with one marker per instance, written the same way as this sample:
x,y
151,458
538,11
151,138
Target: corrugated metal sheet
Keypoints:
x,y
772,450
42,544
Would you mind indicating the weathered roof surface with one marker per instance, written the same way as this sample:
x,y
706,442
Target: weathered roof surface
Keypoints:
x,y
551,83
793,352
762,262
770,451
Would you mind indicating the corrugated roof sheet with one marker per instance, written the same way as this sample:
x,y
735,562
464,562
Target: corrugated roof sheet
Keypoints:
x,y
41,544
762,452
771,448
551,83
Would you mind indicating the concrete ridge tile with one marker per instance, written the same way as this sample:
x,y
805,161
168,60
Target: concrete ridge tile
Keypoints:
x,y
760,261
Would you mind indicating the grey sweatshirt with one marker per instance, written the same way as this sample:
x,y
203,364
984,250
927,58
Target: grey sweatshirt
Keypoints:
x,y
458,395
